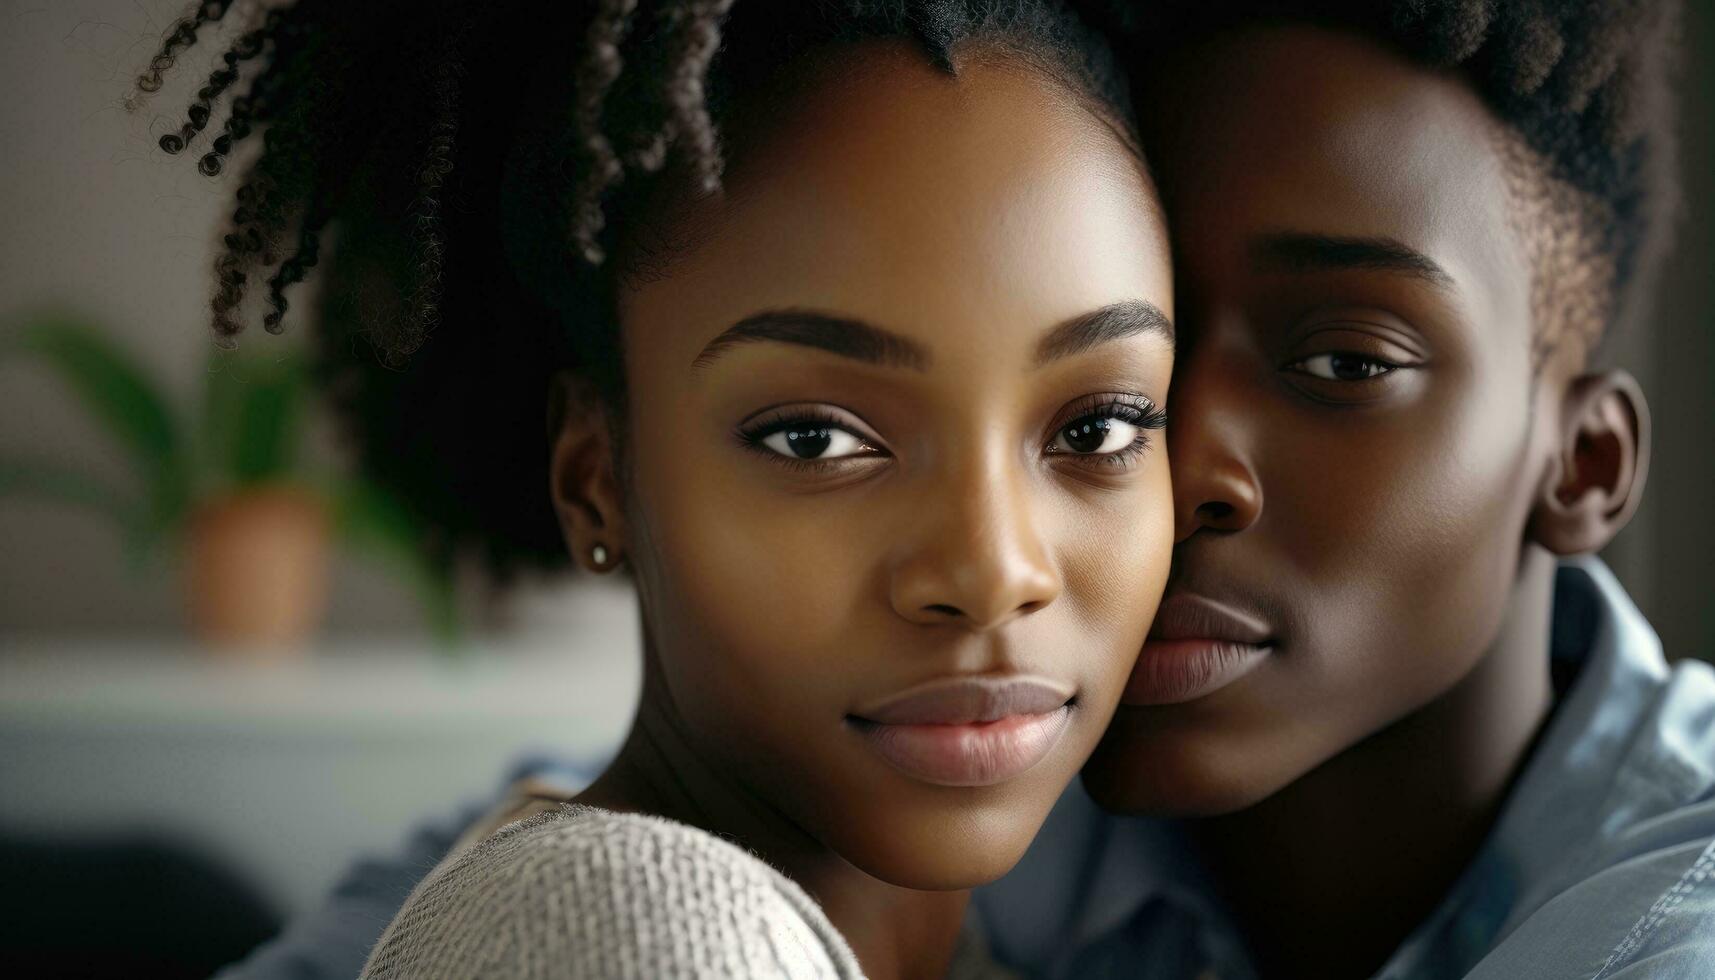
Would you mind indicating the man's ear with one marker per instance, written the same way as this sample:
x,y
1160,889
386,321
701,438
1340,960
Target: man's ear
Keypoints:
x,y
586,490
1597,476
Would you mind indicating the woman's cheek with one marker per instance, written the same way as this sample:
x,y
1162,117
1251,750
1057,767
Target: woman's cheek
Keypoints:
x,y
1120,551
753,595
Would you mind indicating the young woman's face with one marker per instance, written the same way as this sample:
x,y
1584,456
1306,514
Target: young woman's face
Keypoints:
x,y
1358,451
896,506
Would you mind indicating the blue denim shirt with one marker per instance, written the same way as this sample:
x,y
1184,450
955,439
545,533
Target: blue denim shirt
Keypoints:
x,y
1601,864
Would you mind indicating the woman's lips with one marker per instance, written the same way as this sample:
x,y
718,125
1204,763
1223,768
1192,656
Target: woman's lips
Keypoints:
x,y
967,731
1196,647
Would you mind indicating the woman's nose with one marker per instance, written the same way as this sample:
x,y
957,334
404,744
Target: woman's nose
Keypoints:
x,y
977,560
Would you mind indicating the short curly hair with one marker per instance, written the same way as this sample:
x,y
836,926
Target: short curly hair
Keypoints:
x,y
482,175
1582,90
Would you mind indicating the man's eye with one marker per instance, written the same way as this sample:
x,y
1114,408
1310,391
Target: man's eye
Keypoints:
x,y
1095,435
815,440
1344,366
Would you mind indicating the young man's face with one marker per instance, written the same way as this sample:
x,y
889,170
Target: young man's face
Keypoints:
x,y
1357,440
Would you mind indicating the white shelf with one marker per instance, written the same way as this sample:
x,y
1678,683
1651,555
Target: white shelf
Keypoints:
x,y
288,769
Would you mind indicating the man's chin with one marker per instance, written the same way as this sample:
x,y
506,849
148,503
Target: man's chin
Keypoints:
x,y
1139,770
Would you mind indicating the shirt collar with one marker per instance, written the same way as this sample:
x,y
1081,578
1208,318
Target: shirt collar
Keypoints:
x,y
1578,786
1608,659
1566,794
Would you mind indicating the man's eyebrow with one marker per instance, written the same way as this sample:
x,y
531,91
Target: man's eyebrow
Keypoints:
x,y
1299,252
806,328
1108,324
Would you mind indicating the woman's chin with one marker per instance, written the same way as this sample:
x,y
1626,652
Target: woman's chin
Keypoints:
x,y
942,871
950,851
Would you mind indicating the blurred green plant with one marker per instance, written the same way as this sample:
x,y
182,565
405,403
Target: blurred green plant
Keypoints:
x,y
247,434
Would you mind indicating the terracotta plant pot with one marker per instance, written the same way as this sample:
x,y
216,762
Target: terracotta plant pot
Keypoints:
x,y
256,568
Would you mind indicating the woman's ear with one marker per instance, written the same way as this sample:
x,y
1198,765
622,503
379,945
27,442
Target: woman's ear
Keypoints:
x,y
1597,476
581,477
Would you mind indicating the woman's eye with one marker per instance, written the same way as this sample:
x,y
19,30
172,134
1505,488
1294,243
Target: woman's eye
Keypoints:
x,y
1344,366
1095,435
814,441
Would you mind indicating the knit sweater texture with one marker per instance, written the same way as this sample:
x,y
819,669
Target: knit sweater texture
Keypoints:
x,y
579,892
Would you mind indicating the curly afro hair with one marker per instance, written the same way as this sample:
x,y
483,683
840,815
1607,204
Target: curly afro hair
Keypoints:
x,y
482,175
1582,91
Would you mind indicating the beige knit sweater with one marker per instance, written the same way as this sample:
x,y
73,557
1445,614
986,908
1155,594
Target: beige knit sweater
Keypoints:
x,y
578,892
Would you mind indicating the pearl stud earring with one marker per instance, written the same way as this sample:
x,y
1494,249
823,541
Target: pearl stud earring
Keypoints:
x,y
598,554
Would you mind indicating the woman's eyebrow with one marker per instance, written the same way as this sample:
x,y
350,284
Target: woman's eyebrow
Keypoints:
x,y
835,334
1303,252
1110,323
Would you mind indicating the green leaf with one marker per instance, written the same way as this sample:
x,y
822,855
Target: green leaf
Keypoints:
x,y
223,392
121,397
253,415
374,522
55,481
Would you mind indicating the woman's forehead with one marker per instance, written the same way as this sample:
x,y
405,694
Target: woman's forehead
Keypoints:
x,y
920,198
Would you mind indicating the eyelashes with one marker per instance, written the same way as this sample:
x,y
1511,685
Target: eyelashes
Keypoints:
x,y
808,437
1344,366
1109,431
1099,430
1353,362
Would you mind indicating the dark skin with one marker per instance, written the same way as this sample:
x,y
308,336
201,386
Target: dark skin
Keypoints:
x,y
981,221
1367,461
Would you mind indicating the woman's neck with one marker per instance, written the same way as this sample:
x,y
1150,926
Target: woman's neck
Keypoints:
x,y
1328,876
895,932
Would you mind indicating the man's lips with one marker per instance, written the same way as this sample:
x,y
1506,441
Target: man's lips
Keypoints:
x,y
1186,616
967,731
1196,647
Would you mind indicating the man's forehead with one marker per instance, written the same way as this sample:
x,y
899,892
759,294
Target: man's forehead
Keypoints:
x,y
1305,129
1319,110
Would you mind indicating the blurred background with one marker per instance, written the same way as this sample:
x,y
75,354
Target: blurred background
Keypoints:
x,y
222,676
153,711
